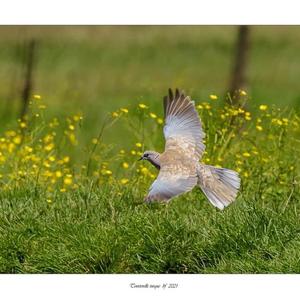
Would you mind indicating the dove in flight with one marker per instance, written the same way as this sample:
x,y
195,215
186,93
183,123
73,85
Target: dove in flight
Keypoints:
x,y
179,167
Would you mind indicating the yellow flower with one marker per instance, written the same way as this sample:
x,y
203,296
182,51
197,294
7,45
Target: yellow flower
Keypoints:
x,y
42,106
263,107
77,117
11,147
58,174
243,93
48,138
279,122
259,128
200,106
153,115
49,200
125,165
46,164
37,97
143,106
71,127
213,97
246,174
48,173
52,158
49,147
159,121
133,152
68,179
234,112
17,140
28,149
247,115
115,114
122,152
144,170
94,140
246,154
72,139
66,159
124,181
125,110
138,144
108,172
285,121
23,125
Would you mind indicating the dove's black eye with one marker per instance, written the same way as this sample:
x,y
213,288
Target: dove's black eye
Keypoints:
x,y
146,155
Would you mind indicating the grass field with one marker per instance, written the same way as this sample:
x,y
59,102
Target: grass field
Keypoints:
x,y
72,191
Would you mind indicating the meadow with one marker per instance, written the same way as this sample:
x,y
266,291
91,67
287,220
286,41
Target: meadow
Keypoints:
x,y
72,190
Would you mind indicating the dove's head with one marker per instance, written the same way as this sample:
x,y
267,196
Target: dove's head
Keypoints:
x,y
152,157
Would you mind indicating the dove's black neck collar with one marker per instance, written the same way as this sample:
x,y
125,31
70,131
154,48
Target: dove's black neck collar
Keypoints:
x,y
155,163
153,158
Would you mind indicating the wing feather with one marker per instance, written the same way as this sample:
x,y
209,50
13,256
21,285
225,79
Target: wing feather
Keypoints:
x,y
164,187
183,122
184,147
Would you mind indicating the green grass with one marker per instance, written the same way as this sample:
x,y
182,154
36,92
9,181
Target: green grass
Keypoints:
x,y
102,226
101,232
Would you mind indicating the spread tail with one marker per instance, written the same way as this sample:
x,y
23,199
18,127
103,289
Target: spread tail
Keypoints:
x,y
220,185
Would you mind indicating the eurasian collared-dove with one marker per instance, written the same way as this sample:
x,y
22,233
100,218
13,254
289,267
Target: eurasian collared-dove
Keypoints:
x,y
179,167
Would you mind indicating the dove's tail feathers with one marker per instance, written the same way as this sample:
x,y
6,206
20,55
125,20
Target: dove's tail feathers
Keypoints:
x,y
220,185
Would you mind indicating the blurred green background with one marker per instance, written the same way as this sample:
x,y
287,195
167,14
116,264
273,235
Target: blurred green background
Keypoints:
x,y
96,69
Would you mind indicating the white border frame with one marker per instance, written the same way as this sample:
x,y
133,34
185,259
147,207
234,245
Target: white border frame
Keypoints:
x,y
152,12
120,286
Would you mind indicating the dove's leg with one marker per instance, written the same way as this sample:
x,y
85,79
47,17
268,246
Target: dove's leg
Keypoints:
x,y
220,185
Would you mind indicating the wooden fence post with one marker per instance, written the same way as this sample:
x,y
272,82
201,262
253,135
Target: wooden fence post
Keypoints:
x,y
28,80
238,77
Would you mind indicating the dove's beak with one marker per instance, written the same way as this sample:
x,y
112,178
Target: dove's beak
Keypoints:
x,y
141,158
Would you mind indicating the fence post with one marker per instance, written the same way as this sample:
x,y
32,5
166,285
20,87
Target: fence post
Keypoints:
x,y
30,50
238,77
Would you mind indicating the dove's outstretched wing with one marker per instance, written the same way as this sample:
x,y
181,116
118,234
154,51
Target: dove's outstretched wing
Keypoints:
x,y
184,147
